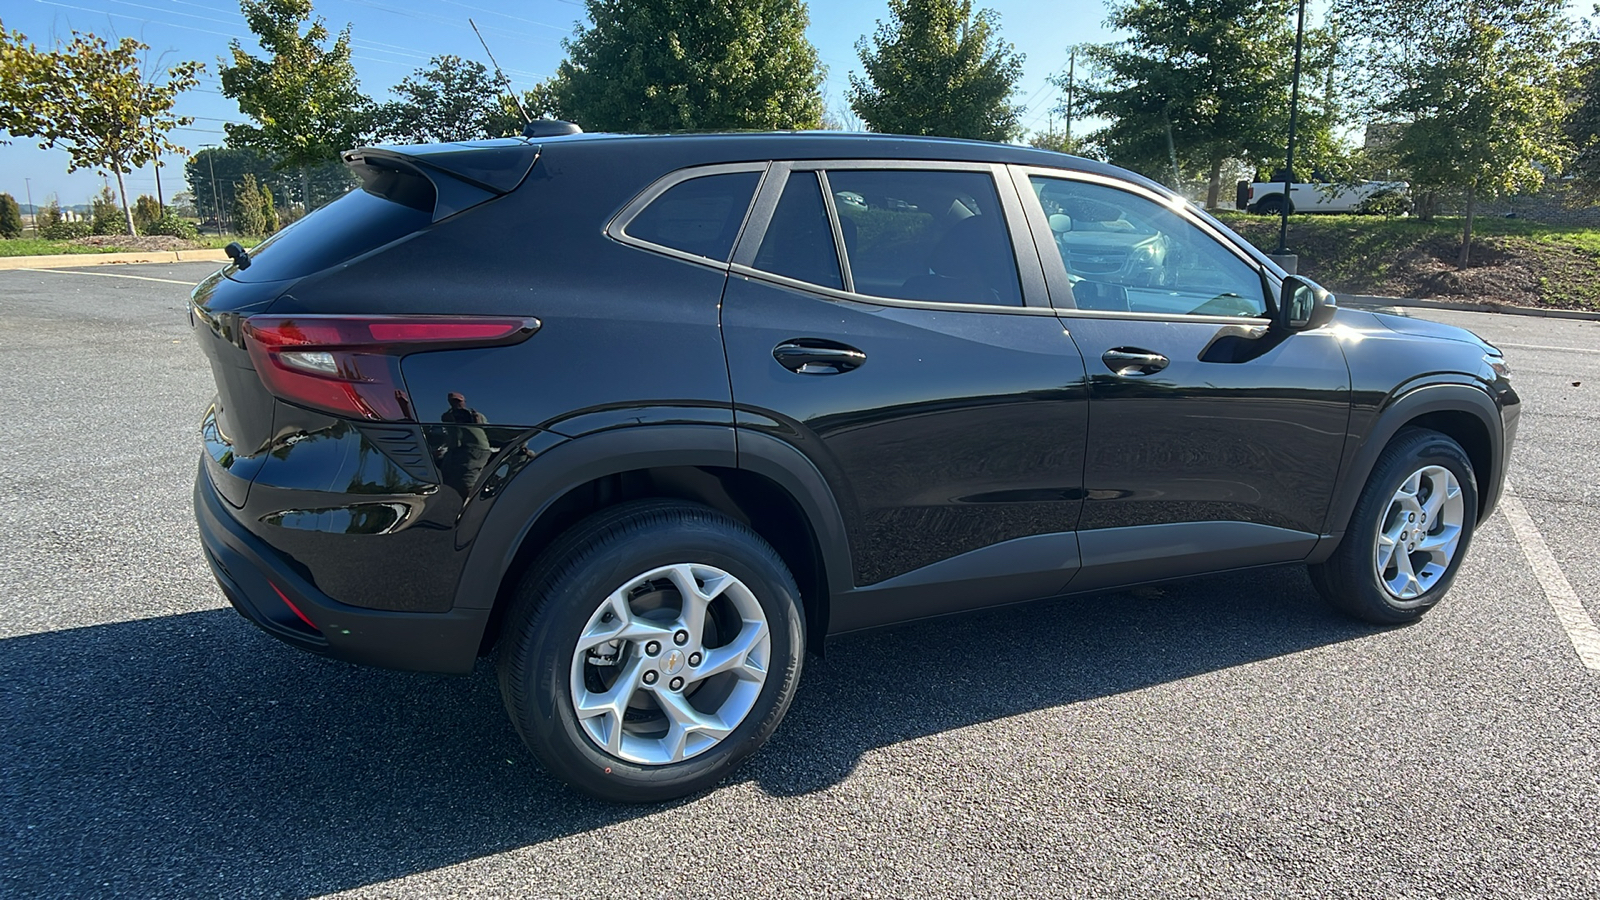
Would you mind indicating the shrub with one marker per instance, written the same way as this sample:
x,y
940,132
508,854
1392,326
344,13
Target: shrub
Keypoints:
x,y
173,226
106,214
46,216
65,231
1386,203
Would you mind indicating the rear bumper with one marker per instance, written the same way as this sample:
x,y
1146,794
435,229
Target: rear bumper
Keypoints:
x,y
265,588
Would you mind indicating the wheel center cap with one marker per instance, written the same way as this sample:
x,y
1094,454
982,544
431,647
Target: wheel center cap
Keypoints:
x,y
672,663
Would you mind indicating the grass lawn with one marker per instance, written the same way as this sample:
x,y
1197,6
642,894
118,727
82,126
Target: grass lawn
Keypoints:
x,y
27,246
1513,261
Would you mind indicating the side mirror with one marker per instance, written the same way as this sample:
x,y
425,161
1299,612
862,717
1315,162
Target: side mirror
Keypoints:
x,y
1303,304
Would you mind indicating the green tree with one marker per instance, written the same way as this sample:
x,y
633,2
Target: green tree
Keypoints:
x,y
1057,140
1582,124
937,68
10,217
454,99
1474,89
1484,119
93,100
248,219
269,211
146,212
691,65
1194,84
231,164
304,97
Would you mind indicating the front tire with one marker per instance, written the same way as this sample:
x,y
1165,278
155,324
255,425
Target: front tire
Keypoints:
x,y
1408,534
650,650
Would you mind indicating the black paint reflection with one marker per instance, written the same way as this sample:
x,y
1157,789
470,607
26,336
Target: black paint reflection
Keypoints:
x,y
464,450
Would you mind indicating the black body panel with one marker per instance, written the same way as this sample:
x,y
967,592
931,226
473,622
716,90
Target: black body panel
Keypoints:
x,y
960,430
1253,437
938,458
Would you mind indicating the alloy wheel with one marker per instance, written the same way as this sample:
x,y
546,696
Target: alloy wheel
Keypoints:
x,y
1419,533
670,663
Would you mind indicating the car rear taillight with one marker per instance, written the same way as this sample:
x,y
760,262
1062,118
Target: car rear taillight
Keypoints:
x,y
350,366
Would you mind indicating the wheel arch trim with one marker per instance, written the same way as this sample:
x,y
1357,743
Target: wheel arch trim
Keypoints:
x,y
1448,397
576,461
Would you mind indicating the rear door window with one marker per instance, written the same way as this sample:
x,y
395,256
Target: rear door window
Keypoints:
x,y
799,241
926,235
700,216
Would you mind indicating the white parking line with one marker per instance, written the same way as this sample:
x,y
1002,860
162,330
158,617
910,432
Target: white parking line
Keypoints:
x,y
108,275
1563,599
1547,347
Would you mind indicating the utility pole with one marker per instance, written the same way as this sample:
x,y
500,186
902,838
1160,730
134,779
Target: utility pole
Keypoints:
x,y
216,199
1294,111
1072,69
34,218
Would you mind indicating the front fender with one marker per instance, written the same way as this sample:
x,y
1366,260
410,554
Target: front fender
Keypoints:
x,y
1404,407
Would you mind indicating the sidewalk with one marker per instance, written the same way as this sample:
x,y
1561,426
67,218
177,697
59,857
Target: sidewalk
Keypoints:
x,y
1400,303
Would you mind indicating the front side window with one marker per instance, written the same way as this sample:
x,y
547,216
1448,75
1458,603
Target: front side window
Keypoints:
x,y
1124,252
700,216
926,235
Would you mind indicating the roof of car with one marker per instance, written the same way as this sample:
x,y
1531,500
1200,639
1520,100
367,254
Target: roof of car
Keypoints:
x,y
695,149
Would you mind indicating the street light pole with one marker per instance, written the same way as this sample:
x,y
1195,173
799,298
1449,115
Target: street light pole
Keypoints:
x,y
1294,112
34,218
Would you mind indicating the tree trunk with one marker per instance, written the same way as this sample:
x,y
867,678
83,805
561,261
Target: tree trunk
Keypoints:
x,y
1427,203
1466,233
305,191
1215,188
127,214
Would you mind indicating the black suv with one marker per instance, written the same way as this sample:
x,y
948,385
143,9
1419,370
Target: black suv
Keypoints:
x,y
646,417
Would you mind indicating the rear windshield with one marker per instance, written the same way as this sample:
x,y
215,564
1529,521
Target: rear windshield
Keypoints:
x,y
346,228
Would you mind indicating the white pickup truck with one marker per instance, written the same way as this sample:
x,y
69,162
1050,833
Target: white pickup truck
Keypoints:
x,y
1266,197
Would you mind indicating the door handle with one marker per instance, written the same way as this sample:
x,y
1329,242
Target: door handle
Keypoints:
x,y
1133,361
809,356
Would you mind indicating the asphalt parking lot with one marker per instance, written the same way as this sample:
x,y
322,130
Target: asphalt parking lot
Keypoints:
x,y
1224,737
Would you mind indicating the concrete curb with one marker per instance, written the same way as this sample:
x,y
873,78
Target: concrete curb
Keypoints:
x,y
1503,309
74,260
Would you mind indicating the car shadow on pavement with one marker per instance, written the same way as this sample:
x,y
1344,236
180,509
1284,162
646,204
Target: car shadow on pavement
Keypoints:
x,y
190,755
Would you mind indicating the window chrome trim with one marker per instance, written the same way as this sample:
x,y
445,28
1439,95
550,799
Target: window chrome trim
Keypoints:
x,y
1031,284
1175,204
617,228
874,300
840,248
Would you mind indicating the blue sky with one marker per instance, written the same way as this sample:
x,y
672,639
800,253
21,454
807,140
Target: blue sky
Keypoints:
x,y
393,37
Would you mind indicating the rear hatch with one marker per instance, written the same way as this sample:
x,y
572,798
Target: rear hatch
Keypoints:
x,y
403,192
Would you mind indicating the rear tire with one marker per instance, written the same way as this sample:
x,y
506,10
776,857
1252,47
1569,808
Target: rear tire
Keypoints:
x,y
1271,206
1408,534
650,650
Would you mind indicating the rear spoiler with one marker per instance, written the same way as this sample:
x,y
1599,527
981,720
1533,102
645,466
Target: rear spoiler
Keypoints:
x,y
444,179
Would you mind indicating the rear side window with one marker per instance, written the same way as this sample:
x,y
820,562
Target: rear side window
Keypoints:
x,y
346,228
799,242
700,216
926,235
